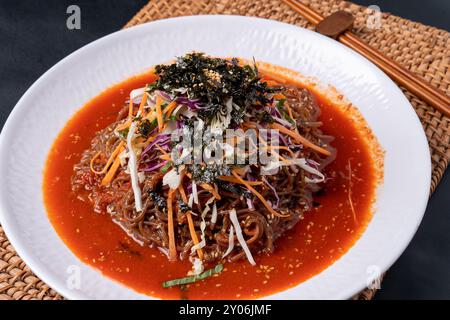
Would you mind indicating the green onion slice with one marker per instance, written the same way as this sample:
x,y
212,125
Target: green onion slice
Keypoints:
x,y
166,167
191,279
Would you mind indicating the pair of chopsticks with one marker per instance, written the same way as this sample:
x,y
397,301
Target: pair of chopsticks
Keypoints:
x,y
413,83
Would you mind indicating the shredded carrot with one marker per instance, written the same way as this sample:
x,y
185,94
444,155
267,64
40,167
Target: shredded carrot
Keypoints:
x,y
240,170
113,155
289,111
168,111
171,231
211,189
130,109
252,125
159,115
258,195
181,190
193,234
165,157
234,180
151,115
280,148
279,96
190,221
142,105
93,161
249,124
129,119
275,77
270,83
350,201
112,171
150,139
161,149
261,140
208,188
299,138
272,150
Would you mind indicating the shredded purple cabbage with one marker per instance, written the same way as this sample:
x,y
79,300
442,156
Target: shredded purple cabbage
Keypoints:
x,y
274,112
250,204
274,192
147,158
312,163
283,122
162,140
281,138
164,94
192,104
153,167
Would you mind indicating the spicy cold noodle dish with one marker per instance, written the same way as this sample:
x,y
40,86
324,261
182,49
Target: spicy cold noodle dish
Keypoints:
x,y
120,193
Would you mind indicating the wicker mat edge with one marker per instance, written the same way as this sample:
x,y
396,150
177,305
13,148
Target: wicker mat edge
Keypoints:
x,y
422,49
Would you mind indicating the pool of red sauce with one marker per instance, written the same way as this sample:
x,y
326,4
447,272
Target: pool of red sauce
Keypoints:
x,y
324,235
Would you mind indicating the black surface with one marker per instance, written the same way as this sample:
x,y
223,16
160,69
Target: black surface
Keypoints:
x,y
34,37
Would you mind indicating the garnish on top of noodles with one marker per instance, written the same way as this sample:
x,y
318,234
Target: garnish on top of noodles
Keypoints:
x,y
193,210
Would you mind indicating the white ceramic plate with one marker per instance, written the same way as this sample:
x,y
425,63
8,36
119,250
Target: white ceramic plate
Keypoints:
x,y
45,108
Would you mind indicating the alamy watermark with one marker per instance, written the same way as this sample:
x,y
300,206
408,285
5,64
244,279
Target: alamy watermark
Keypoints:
x,y
374,277
73,281
73,21
195,145
373,17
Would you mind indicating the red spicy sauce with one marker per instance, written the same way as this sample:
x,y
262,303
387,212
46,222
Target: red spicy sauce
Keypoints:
x,y
322,237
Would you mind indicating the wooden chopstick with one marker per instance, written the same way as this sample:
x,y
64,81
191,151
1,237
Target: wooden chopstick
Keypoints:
x,y
402,76
420,81
415,86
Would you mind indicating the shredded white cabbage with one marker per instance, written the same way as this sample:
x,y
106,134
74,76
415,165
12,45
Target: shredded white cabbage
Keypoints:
x,y
250,204
207,208
230,242
283,122
181,90
188,113
177,109
132,167
301,162
170,127
269,168
235,221
191,200
172,179
141,176
123,156
202,243
194,192
221,121
197,267
214,214
136,94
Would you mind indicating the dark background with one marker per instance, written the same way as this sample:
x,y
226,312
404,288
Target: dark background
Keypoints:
x,y
33,37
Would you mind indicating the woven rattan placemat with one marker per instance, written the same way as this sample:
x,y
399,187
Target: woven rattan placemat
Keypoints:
x,y
422,49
